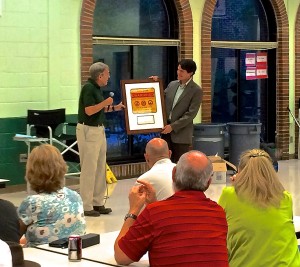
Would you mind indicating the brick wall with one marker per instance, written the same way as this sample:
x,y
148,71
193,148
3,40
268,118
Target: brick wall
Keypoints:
x,y
297,75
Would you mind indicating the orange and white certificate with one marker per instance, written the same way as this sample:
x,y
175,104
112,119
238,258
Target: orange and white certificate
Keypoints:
x,y
143,100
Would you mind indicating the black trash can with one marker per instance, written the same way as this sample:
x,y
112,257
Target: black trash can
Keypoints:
x,y
242,136
209,138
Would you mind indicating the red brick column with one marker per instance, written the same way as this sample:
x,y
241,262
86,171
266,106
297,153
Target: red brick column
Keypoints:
x,y
297,75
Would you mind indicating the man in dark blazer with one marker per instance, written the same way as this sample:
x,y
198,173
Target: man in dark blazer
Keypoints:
x,y
183,98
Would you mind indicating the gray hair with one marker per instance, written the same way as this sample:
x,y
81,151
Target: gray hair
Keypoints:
x,y
190,175
96,69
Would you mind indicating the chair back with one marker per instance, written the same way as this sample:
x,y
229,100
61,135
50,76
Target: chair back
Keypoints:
x,y
43,118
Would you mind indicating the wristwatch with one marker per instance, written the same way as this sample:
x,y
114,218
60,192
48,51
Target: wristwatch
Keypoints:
x,y
130,215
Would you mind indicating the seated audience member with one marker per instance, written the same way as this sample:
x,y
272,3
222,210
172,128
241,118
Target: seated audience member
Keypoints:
x,y
259,213
9,222
187,229
157,155
55,211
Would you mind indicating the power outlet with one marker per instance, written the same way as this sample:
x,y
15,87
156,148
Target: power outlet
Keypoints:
x,y
23,157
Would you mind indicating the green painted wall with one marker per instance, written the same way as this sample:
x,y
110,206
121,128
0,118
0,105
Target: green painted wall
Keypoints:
x,y
10,168
39,69
39,56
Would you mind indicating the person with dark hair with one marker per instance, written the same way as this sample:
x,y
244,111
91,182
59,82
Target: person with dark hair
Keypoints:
x,y
9,224
55,211
259,213
183,98
16,256
91,139
186,229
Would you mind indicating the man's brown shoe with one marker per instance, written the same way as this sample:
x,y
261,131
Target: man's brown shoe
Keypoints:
x,y
91,213
102,209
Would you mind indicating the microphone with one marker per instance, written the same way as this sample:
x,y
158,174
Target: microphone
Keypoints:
x,y
111,94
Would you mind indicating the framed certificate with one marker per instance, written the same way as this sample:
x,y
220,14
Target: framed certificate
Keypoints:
x,y
145,106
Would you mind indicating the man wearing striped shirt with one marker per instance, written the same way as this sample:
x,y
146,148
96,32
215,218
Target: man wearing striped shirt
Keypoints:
x,y
186,229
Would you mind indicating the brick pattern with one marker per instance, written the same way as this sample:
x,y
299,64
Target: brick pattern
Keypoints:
x,y
297,75
282,89
185,28
130,170
86,34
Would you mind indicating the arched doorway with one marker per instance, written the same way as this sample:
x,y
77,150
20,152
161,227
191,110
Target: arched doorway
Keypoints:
x,y
88,55
282,88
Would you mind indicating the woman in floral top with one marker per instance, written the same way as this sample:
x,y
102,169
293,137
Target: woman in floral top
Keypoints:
x,y
55,211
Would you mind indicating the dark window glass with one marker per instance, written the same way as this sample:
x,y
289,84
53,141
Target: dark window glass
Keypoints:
x,y
132,18
234,98
122,147
224,84
236,20
139,19
241,98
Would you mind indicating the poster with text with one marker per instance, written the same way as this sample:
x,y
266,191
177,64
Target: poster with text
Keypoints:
x,y
145,109
251,73
250,59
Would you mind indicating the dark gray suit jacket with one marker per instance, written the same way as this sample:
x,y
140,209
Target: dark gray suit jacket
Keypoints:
x,y
184,111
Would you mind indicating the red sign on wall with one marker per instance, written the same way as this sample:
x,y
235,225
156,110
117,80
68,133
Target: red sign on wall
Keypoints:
x,y
251,73
261,72
250,60
257,65
261,59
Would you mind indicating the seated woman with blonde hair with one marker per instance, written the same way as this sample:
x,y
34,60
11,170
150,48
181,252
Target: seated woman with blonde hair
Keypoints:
x,y
55,211
259,214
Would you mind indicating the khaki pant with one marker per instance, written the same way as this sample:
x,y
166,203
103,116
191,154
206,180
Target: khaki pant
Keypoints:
x,y
92,152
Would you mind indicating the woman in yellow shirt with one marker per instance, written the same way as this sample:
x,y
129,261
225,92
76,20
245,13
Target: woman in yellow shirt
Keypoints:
x,y
259,214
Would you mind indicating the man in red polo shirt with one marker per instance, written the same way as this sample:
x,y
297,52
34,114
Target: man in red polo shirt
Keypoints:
x,y
186,229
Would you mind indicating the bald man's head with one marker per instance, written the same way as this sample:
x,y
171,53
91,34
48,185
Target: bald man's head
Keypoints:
x,y
156,149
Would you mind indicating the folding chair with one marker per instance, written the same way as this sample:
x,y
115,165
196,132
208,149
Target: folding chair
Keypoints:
x,y
50,126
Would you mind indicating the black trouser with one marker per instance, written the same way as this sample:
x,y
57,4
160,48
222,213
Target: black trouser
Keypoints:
x,y
176,148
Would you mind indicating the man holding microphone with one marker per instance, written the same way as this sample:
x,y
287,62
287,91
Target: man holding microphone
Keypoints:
x,y
91,139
